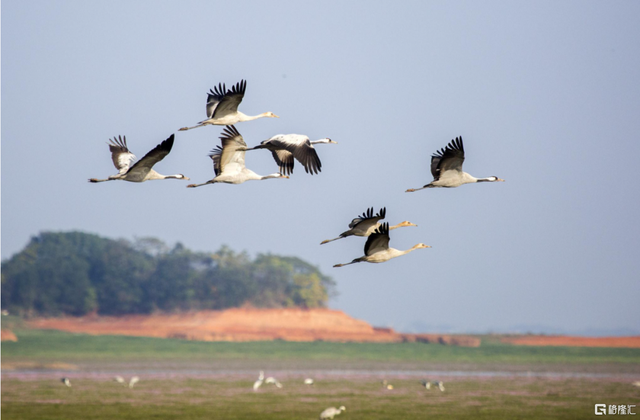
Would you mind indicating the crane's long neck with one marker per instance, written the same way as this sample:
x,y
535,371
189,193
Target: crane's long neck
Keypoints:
x,y
396,226
276,175
398,253
467,179
154,175
244,117
176,176
321,141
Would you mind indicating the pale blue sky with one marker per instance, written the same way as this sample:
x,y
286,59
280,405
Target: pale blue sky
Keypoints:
x,y
545,94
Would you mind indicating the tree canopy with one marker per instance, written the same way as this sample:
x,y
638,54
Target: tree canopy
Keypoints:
x,y
76,273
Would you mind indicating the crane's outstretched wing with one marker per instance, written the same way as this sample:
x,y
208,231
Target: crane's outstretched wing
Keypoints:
x,y
284,160
300,147
215,154
154,156
449,158
120,154
233,150
221,101
378,240
368,217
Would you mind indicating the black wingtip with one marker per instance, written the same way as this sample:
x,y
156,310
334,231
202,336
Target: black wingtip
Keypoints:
x,y
167,144
382,229
229,132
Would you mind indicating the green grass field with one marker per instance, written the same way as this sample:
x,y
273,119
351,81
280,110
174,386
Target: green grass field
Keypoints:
x,y
346,374
62,346
528,398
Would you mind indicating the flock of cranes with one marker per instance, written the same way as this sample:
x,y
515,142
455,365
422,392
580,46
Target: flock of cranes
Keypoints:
x,y
331,412
229,166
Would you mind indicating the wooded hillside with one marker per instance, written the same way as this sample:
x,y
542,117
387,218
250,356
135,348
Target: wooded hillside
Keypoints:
x,y
76,273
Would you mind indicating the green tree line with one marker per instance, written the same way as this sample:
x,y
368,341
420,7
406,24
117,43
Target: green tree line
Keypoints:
x,y
76,273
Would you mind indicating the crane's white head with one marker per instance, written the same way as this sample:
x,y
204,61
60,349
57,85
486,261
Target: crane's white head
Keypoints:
x,y
342,408
421,246
180,176
495,178
406,223
270,115
324,141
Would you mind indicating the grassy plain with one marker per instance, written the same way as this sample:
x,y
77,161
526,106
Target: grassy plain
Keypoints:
x,y
199,380
229,398
62,346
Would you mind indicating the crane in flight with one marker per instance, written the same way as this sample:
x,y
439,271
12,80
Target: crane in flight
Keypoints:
x,y
446,168
222,107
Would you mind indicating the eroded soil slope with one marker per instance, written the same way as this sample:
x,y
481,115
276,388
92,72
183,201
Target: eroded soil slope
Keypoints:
x,y
245,325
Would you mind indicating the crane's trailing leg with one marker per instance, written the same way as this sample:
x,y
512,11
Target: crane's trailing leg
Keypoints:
x,y
198,185
189,128
418,189
326,241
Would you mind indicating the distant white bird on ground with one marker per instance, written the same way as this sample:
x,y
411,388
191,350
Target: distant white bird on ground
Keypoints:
x,y
142,170
308,381
636,383
438,384
377,250
119,379
366,224
286,147
66,381
258,383
228,161
331,412
446,168
386,385
274,381
222,106
134,380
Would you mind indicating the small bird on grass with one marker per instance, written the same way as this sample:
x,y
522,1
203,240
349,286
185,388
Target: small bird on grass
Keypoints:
x,y
331,412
